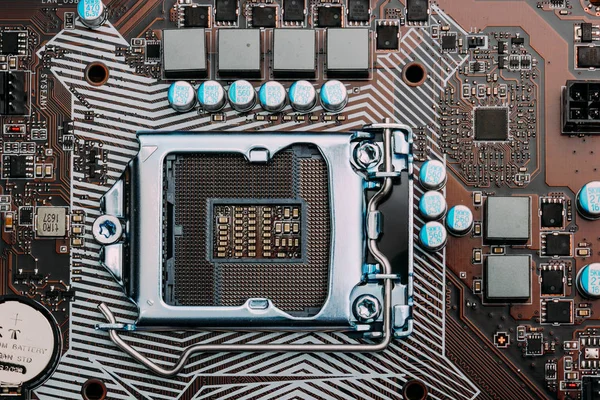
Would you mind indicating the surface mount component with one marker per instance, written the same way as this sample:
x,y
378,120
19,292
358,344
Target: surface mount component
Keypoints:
x,y
347,52
239,52
508,278
184,53
581,107
294,53
508,219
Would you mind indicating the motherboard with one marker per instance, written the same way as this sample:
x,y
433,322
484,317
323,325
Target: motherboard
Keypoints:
x,y
300,199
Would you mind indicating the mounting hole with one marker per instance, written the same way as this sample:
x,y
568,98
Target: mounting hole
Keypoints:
x,y
414,74
96,73
94,389
414,390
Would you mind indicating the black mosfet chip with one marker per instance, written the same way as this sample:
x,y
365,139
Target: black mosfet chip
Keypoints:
x,y
517,41
293,10
587,32
588,57
226,10
9,43
417,10
535,345
153,51
558,245
264,17
25,215
491,123
387,37
552,215
552,282
17,166
358,10
449,42
330,17
559,312
196,17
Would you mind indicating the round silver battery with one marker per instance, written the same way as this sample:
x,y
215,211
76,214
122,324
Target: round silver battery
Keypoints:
x,y
303,96
432,205
433,236
272,96
334,96
432,175
242,96
181,96
459,220
588,200
91,13
211,96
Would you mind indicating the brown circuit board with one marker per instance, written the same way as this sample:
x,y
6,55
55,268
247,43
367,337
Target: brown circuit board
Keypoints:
x,y
503,94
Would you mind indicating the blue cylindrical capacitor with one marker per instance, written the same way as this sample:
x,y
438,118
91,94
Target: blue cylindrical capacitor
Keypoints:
x,y
432,205
242,96
303,96
588,281
211,96
432,175
91,13
272,96
334,96
181,96
459,220
433,236
588,200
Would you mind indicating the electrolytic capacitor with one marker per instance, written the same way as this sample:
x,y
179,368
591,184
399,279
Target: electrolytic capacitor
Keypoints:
x,y
459,220
91,13
432,175
588,200
432,205
588,281
211,96
242,96
303,96
334,96
433,236
181,96
272,96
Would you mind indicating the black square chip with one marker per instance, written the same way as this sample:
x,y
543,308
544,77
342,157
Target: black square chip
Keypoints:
x,y
552,215
358,10
491,123
559,312
264,17
449,42
26,216
552,282
293,10
534,345
9,43
387,37
330,17
226,10
196,17
16,166
153,51
558,245
417,10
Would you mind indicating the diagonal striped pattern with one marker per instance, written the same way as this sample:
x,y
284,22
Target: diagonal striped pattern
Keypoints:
x,y
128,103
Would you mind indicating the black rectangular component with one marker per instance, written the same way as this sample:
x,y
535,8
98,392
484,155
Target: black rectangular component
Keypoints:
x,y
153,51
517,41
15,167
558,245
501,62
586,32
449,42
9,43
25,215
417,10
293,10
588,57
475,41
552,215
329,17
581,107
358,10
559,312
552,282
264,17
590,387
13,96
491,123
501,47
196,17
387,37
226,10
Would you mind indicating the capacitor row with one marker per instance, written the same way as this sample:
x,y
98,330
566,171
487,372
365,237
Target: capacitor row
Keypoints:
x,y
272,96
432,207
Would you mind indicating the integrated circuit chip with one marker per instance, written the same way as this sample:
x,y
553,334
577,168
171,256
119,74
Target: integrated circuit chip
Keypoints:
x,y
329,16
196,17
491,123
387,37
588,56
264,17
556,244
293,10
51,222
226,10
358,10
12,42
257,231
557,312
417,10
552,281
449,42
17,166
552,214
